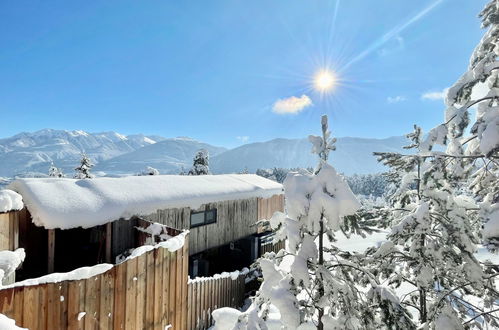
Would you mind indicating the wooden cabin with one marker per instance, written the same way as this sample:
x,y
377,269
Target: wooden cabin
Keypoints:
x,y
69,223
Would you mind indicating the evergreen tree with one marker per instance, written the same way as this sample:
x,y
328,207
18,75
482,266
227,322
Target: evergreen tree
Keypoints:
x,y
432,241
201,163
83,170
323,285
149,171
476,154
55,172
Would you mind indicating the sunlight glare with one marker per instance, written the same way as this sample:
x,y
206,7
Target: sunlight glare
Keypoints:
x,y
324,80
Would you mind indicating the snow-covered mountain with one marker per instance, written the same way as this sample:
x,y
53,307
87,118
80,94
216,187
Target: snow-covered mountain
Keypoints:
x,y
33,152
167,156
352,155
29,154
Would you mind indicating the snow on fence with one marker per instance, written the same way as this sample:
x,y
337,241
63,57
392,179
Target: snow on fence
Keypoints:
x,y
148,291
205,294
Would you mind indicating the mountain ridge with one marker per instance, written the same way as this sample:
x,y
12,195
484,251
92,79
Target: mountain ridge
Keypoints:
x,y
31,153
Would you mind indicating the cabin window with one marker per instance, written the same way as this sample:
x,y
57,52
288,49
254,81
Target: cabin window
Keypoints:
x,y
203,218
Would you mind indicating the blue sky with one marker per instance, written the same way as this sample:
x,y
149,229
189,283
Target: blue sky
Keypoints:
x,y
214,70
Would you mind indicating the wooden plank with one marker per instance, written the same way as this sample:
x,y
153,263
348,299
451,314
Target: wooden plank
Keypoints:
x,y
189,306
7,302
179,283
109,241
4,231
53,306
120,290
198,305
92,301
31,306
149,296
106,303
158,288
18,305
141,291
51,250
131,293
165,312
171,288
76,304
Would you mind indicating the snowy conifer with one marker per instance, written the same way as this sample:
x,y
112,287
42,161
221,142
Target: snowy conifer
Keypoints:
x,y
149,171
432,242
83,170
314,283
476,154
55,172
201,163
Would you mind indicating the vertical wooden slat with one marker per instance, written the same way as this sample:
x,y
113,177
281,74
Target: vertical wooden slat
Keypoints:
x,y
7,302
158,288
31,306
106,304
179,283
92,301
141,291
109,241
149,296
171,288
131,294
189,306
197,322
165,313
18,305
51,250
120,287
53,306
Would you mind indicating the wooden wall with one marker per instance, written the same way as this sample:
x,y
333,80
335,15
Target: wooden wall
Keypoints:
x,y
267,206
147,292
208,294
9,235
9,230
235,220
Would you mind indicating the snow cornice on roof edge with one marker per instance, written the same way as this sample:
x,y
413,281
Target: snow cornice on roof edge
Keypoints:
x,y
69,203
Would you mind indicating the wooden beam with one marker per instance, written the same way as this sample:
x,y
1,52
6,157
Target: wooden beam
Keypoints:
x,y
109,236
51,250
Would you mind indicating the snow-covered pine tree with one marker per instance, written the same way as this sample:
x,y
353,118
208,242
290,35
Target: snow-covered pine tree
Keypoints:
x,y
55,172
149,171
183,171
432,243
200,165
83,170
475,145
313,283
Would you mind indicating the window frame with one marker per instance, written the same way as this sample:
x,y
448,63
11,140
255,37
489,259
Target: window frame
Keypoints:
x,y
205,221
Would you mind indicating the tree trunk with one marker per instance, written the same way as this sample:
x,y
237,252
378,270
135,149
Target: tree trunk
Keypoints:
x,y
320,326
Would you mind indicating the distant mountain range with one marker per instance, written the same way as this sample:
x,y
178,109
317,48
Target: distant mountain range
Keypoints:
x,y
30,154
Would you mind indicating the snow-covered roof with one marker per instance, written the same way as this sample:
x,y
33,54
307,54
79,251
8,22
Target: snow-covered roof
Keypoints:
x,y
10,201
69,203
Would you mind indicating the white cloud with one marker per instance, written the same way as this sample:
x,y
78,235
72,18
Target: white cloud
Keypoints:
x,y
396,99
291,105
434,96
243,139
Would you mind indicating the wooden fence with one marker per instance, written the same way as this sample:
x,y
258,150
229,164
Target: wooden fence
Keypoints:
x,y
272,247
146,292
208,294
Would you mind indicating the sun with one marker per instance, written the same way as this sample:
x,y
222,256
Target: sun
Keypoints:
x,y
324,80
